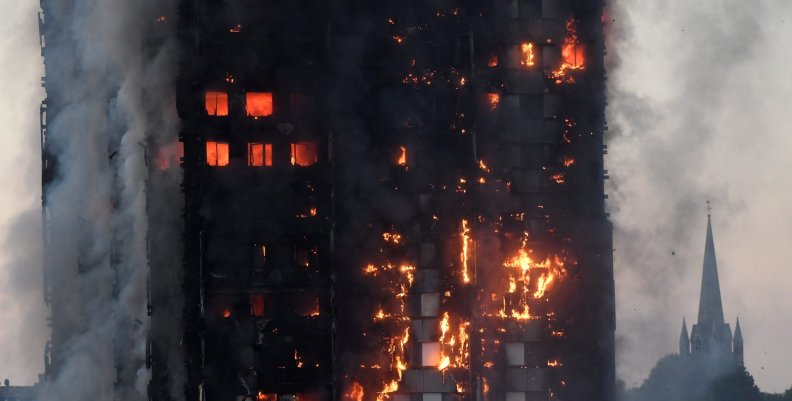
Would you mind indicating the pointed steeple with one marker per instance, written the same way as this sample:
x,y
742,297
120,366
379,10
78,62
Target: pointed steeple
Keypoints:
x,y
684,340
738,332
738,344
710,307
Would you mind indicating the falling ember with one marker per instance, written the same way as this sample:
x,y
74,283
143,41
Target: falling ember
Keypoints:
x,y
465,254
402,160
527,55
355,393
494,100
227,313
236,28
398,39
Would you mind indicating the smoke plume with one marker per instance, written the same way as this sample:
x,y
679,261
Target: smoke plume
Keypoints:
x,y
695,95
109,72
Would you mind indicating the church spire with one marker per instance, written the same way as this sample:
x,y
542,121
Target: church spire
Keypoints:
x,y
710,307
738,344
684,340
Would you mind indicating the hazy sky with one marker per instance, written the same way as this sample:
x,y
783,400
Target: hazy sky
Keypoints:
x,y
22,321
701,94
699,103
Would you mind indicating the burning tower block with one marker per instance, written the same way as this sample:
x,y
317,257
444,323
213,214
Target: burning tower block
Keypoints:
x,y
394,200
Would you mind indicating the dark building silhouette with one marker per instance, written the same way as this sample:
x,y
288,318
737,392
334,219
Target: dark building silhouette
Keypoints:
x,y
711,335
379,200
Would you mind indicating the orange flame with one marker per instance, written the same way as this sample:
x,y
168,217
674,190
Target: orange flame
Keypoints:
x,y
494,100
544,280
572,55
465,255
402,161
392,237
355,393
527,55
266,397
297,360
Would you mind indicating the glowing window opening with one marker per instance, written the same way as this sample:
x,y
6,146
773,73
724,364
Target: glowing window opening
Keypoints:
x,y
258,104
304,154
216,103
259,154
216,154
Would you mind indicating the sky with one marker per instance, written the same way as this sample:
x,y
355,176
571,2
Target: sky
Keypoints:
x,y
699,98
23,331
699,94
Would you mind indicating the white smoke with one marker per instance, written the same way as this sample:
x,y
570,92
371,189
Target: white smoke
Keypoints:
x,y
110,71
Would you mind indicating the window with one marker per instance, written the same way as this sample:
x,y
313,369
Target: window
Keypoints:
x,y
304,154
259,154
430,354
574,55
401,160
258,104
217,103
259,256
527,55
257,305
170,155
217,154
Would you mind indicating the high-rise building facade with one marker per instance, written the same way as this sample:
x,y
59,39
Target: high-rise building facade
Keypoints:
x,y
384,200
